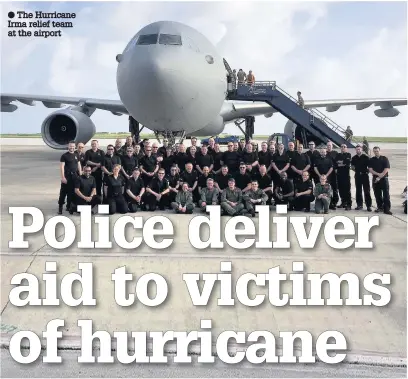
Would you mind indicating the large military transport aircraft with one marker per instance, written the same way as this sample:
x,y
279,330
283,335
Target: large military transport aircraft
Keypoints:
x,y
171,79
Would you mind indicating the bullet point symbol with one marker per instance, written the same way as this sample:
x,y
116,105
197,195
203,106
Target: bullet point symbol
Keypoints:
x,y
11,14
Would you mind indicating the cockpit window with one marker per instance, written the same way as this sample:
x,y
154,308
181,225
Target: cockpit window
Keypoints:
x,y
147,39
169,39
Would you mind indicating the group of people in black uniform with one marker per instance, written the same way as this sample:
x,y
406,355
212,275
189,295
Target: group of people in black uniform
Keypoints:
x,y
144,176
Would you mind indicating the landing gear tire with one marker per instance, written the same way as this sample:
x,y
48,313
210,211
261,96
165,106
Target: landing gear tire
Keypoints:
x,y
172,137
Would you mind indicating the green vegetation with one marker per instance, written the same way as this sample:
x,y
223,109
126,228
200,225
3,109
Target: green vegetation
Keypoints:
x,y
104,135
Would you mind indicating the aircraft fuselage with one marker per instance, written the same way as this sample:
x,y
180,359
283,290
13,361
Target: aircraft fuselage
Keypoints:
x,y
171,78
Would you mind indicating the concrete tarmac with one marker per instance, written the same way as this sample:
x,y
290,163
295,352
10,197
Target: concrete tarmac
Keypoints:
x,y
30,177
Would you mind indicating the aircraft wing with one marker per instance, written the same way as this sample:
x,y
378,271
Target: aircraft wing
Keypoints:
x,y
233,110
7,99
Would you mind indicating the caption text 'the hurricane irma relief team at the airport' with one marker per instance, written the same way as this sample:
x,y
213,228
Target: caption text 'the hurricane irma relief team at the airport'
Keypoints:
x,y
145,176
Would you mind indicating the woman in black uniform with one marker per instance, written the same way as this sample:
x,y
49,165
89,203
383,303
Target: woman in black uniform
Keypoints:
x,y
114,195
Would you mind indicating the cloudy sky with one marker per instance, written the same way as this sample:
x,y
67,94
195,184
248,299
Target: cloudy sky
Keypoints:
x,y
327,50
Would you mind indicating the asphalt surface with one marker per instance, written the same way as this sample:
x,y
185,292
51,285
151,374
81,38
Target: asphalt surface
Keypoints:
x,y
29,177
70,368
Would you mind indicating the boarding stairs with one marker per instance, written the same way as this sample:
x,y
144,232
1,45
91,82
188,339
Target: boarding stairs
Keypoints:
x,y
313,121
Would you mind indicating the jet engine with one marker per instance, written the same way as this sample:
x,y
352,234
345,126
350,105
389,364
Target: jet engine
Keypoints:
x,y
65,125
212,129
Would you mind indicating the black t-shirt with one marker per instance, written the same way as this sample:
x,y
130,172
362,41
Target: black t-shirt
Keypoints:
x,y
280,160
97,156
205,160
191,159
265,158
222,180
249,158
232,159
129,163
81,158
158,185
181,159
313,156
202,180
110,161
242,181
345,159
379,164
85,185
167,163
360,163
173,180
263,181
300,161
302,186
71,162
189,178
323,164
333,155
291,155
217,160
114,185
149,163
285,187
135,185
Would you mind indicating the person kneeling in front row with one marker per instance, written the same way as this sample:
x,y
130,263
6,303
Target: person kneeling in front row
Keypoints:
x,y
134,190
284,191
114,186
209,195
85,191
303,193
184,201
323,193
253,197
231,199
157,193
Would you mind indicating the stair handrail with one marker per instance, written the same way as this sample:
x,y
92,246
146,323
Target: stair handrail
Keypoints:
x,y
314,112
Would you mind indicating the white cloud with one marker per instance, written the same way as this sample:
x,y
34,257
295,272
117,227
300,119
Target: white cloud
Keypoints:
x,y
271,38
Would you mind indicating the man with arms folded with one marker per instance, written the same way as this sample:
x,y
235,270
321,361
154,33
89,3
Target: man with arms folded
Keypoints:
x,y
303,193
184,201
157,193
134,190
231,199
253,197
379,166
323,193
85,191
209,195
359,163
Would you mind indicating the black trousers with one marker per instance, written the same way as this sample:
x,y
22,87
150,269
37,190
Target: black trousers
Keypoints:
x,y
67,190
80,201
303,202
117,204
98,181
285,200
382,193
362,183
151,201
343,180
333,183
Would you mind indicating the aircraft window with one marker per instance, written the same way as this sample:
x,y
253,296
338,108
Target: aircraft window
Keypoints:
x,y
169,39
147,39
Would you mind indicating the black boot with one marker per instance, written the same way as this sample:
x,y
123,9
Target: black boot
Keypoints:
x,y
60,209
